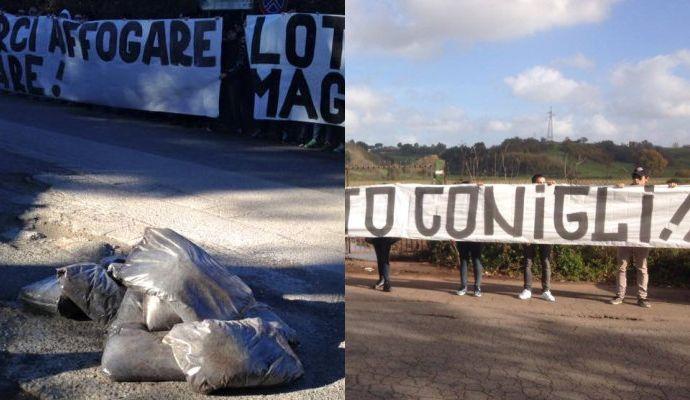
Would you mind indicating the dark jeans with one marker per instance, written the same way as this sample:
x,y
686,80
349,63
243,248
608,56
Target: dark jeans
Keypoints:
x,y
544,253
230,103
382,247
470,251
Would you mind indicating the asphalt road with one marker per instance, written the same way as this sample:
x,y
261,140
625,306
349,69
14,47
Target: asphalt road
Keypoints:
x,y
421,341
77,182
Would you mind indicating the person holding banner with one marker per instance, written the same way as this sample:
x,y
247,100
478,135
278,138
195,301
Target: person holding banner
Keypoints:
x,y
382,247
470,251
530,252
638,255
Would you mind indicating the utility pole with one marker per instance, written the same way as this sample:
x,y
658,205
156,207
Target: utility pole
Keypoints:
x,y
549,128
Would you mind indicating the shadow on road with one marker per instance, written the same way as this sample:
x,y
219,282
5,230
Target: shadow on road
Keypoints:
x,y
34,366
156,135
662,294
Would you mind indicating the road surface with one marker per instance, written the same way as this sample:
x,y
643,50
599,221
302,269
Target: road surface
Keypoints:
x,y
76,182
421,341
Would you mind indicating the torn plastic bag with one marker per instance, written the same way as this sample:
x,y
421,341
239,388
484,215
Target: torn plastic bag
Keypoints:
x,y
167,265
46,296
90,287
131,353
232,354
264,312
159,315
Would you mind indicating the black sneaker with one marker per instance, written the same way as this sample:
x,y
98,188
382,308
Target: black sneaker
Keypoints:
x,y
643,303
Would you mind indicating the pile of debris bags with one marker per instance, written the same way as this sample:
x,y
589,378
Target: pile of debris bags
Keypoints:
x,y
173,313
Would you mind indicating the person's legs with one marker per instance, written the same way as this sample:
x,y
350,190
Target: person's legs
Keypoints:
x,y
246,103
624,254
234,104
304,133
476,251
379,261
225,116
315,137
328,138
464,251
386,245
339,139
529,251
545,258
545,255
640,257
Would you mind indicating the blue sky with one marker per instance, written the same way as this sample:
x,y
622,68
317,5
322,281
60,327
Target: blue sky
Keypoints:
x,y
462,71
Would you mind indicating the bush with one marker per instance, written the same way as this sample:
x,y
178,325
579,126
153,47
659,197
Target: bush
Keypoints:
x,y
572,263
569,263
443,254
669,267
502,258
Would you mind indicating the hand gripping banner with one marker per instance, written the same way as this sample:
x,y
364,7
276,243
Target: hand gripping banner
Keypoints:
x,y
297,67
649,216
170,65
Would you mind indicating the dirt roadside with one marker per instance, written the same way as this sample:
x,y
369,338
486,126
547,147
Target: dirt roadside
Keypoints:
x,y
422,341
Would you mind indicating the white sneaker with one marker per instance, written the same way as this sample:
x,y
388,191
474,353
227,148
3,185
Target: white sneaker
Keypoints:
x,y
526,294
548,296
461,292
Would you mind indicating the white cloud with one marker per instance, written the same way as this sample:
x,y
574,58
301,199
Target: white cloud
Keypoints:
x,y
652,88
545,84
579,61
498,126
447,120
643,99
418,28
373,115
365,106
600,126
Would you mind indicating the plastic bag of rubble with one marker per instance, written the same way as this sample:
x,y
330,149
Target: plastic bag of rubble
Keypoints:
x,y
132,354
232,354
158,314
264,312
46,296
181,274
90,287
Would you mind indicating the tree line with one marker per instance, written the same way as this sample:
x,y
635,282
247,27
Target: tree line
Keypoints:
x,y
524,156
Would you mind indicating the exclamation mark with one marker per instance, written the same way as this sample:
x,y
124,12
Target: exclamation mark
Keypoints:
x,y
676,220
61,71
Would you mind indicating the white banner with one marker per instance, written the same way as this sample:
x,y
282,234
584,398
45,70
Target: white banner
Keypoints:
x,y
168,65
650,216
297,67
